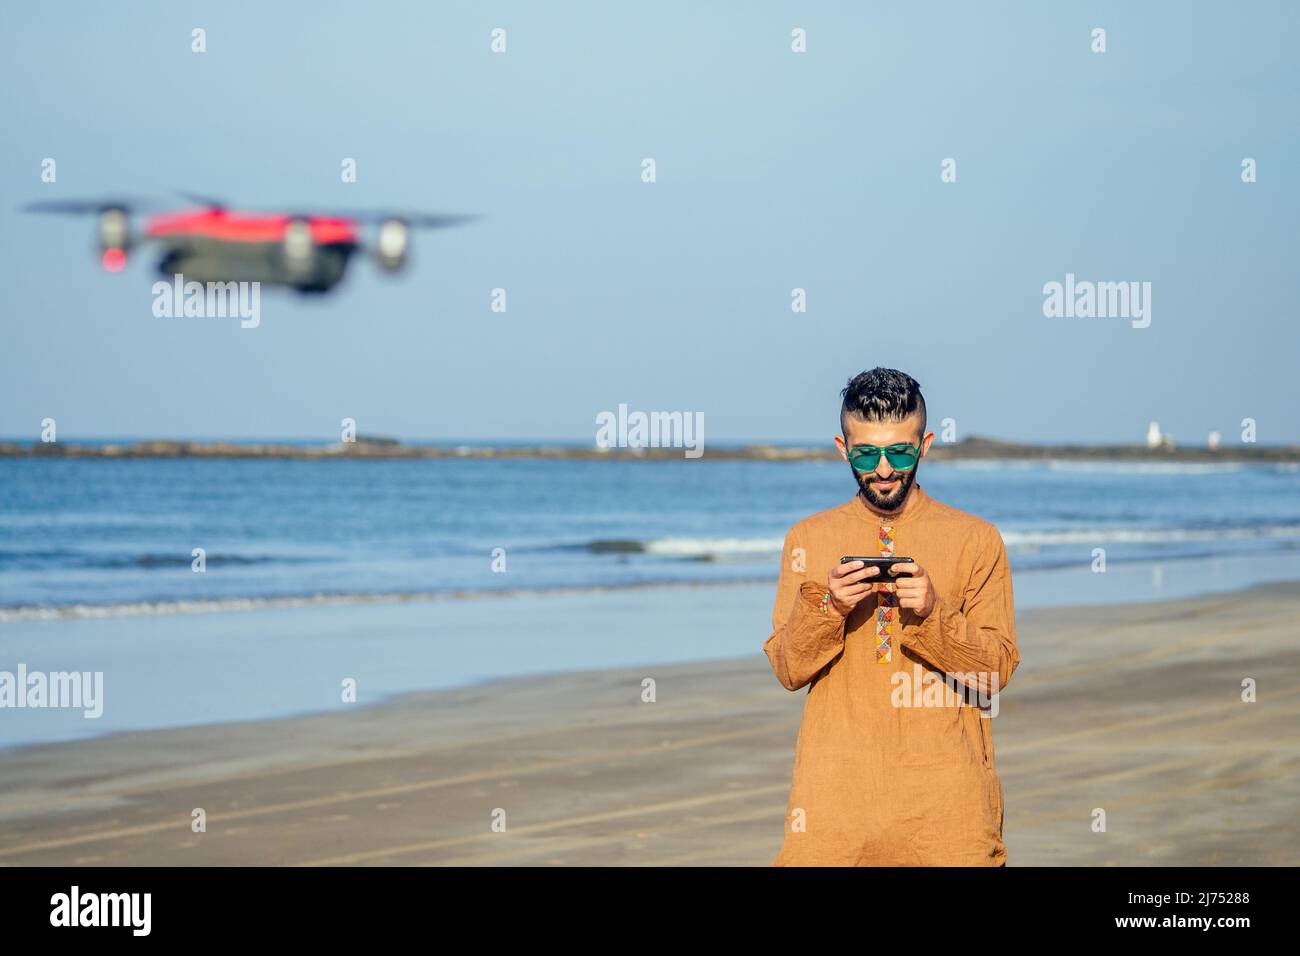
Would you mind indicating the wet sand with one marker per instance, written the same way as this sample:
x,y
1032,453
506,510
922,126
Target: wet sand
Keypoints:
x,y
1134,709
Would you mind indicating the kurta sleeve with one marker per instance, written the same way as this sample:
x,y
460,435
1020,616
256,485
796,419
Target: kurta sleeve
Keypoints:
x,y
980,636
804,637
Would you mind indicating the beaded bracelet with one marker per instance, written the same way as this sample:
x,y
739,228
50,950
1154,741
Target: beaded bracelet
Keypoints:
x,y
826,603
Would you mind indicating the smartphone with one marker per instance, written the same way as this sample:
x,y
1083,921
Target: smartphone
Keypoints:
x,y
886,566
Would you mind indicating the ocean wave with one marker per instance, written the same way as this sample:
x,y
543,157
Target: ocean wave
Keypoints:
x,y
714,547
63,558
739,549
89,519
1021,547
685,548
719,549
1099,535
9,615
1114,466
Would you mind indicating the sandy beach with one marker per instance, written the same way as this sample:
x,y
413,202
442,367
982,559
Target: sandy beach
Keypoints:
x,y
1135,709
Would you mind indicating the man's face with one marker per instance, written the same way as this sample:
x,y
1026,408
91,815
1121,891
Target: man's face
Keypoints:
x,y
885,488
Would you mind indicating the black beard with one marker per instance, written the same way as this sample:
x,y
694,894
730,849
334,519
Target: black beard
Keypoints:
x,y
893,499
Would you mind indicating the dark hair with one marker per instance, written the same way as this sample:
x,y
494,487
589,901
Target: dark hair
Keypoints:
x,y
882,395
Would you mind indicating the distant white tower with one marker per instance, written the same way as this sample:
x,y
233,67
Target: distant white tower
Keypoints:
x,y
1214,440
1153,435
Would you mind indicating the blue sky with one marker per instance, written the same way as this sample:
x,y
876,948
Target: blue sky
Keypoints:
x,y
775,170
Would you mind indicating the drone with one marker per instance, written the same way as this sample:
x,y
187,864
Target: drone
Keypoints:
x,y
210,242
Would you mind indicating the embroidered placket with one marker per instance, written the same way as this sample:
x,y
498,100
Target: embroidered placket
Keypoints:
x,y
885,610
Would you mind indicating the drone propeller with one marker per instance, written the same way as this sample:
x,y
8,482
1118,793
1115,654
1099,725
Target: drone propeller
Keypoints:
x,y
414,220
205,201
88,207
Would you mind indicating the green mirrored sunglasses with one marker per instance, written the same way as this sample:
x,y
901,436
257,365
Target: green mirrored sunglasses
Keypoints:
x,y
866,457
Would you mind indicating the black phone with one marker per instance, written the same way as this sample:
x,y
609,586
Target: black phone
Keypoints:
x,y
886,566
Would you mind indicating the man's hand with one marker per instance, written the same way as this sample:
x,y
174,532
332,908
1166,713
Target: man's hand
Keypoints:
x,y
849,584
915,592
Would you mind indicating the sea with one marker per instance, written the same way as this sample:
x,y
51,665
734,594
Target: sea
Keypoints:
x,y
116,536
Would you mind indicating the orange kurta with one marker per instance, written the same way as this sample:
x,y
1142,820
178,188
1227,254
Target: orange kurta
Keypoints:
x,y
876,783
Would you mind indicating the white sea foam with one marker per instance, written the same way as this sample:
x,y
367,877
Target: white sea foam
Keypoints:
x,y
1103,535
713,547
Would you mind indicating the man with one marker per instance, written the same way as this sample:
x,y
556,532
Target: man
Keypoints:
x,y
894,762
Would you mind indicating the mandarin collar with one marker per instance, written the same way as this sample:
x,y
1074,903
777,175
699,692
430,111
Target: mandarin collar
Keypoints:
x,y
917,499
